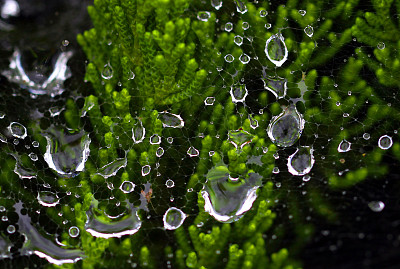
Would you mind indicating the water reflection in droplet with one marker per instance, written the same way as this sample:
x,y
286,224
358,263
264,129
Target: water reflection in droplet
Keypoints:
x,y
301,162
276,50
173,218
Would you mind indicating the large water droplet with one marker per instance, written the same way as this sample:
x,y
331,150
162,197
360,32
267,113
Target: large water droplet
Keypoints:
x,y
173,218
240,6
301,162
146,170
171,120
47,198
226,199
22,172
138,132
344,146
238,93
286,128
159,152
107,72
111,169
98,227
276,85
127,187
67,153
276,50
385,142
239,138
376,206
302,12
309,30
203,15
17,130
217,4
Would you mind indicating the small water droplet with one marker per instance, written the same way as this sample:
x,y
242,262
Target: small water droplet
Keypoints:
x,y
11,229
48,198
301,162
344,146
17,130
245,25
173,218
146,170
376,206
170,183
286,128
3,138
263,13
385,142
127,187
238,40
138,132
203,15
239,138
228,26
4,218
35,144
275,170
381,45
159,152
302,12
2,209
217,4
244,58
192,152
170,140
238,93
306,178
229,58
73,231
276,50
107,72
2,115
267,26
366,136
209,101
65,42
240,6
155,139
309,30
253,122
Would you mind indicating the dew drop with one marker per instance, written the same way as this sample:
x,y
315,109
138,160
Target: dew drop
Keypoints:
x,y
209,101
217,4
302,12
229,58
146,170
171,120
385,142
381,45
127,187
170,140
33,156
263,13
170,183
306,178
203,15
268,26
159,152
245,25
239,138
17,130
192,152
2,115
240,6
138,132
107,72
73,231
376,206
11,229
276,50
301,162
228,26
309,30
48,199
244,58
253,122
35,144
238,93
155,139
276,85
344,146
3,138
112,168
238,40
173,218
286,128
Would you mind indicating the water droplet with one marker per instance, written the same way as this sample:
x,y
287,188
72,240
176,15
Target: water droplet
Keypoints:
x,y
98,227
17,130
306,178
192,152
286,128
228,26
73,231
263,13
268,26
4,218
55,111
48,199
309,30
2,115
173,218
238,93
160,152
67,153
366,136
239,138
65,42
33,156
253,122
376,206
127,187
238,40
385,142
171,120
107,72
217,4
203,15
211,153
344,146
302,12
228,200
21,171
244,58
276,85
240,6
11,229
276,50
35,144
3,138
170,140
138,132
112,168
301,162
155,139
381,45
2,209
245,25
10,8
229,58
275,170
170,183
146,170
209,101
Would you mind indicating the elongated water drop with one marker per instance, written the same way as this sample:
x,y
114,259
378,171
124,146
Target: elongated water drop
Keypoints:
x,y
276,85
217,4
17,130
238,93
203,15
385,142
111,169
226,199
286,128
171,120
276,50
240,6
309,30
127,187
173,218
146,170
344,146
138,132
301,162
107,72
48,198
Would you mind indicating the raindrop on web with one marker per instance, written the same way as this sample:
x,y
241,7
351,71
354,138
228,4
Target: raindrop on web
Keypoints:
x,y
159,152
112,168
203,15
171,120
238,40
73,231
244,58
366,136
192,152
11,229
286,128
209,101
2,115
146,170
268,26
376,206
302,12
47,198
263,13
17,130
385,142
138,132
309,30
301,162
228,26
245,25
240,6
344,146
170,183
253,122
127,187
229,58
173,218
276,85
217,4
238,93
155,139
381,45
276,50
107,72
3,138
